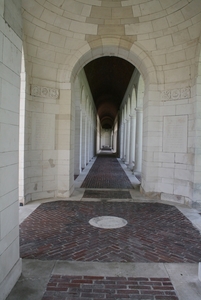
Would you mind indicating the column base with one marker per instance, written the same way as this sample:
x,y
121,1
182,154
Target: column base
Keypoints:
x,y
138,175
131,167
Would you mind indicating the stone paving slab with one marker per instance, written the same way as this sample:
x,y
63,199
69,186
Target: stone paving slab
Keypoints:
x,y
62,287
154,233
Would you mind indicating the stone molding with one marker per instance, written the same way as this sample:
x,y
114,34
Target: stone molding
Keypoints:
x,y
44,92
176,94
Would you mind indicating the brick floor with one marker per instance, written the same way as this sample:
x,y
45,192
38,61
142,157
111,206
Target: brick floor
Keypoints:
x,y
107,194
154,233
110,288
106,172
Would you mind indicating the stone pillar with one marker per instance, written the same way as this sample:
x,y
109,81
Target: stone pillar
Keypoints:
x,y
87,140
78,141
128,141
138,145
199,271
121,139
115,141
83,155
124,140
132,140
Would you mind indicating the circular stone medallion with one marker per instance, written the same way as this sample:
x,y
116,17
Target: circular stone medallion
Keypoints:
x,y
108,222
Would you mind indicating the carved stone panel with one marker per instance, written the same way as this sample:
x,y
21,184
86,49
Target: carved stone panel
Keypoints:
x,y
176,94
44,92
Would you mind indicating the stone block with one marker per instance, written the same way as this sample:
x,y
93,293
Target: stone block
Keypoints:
x,y
9,100
57,10
165,188
49,185
8,158
8,199
46,54
83,27
44,72
164,42
7,133
149,44
160,24
51,108
9,258
181,158
166,173
63,182
34,171
122,12
176,75
33,7
57,39
183,174
181,37
192,9
150,7
194,31
1,47
168,110
43,195
164,157
136,11
172,198
8,239
48,16
175,57
175,18
41,34
101,12
139,28
183,190
9,219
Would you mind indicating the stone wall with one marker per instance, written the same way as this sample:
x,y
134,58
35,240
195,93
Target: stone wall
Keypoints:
x,y
10,65
161,39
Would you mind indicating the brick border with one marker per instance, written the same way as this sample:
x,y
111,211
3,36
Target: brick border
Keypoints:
x,y
62,287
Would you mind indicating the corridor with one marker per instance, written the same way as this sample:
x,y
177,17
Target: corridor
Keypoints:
x,y
68,254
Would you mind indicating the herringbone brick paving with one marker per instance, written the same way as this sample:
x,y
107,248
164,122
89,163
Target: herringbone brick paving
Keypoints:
x,y
110,288
154,233
106,172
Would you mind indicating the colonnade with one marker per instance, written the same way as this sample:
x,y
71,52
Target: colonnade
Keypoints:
x,y
131,125
85,125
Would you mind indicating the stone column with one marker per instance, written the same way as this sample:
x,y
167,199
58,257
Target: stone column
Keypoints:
x,y
132,139
87,140
128,141
78,141
121,139
83,154
124,140
138,145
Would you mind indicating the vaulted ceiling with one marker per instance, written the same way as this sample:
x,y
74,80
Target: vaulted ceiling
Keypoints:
x,y
108,79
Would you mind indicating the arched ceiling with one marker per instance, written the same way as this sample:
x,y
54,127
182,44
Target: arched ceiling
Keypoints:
x,y
108,79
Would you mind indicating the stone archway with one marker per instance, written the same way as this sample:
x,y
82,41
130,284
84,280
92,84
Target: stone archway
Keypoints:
x,y
134,55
